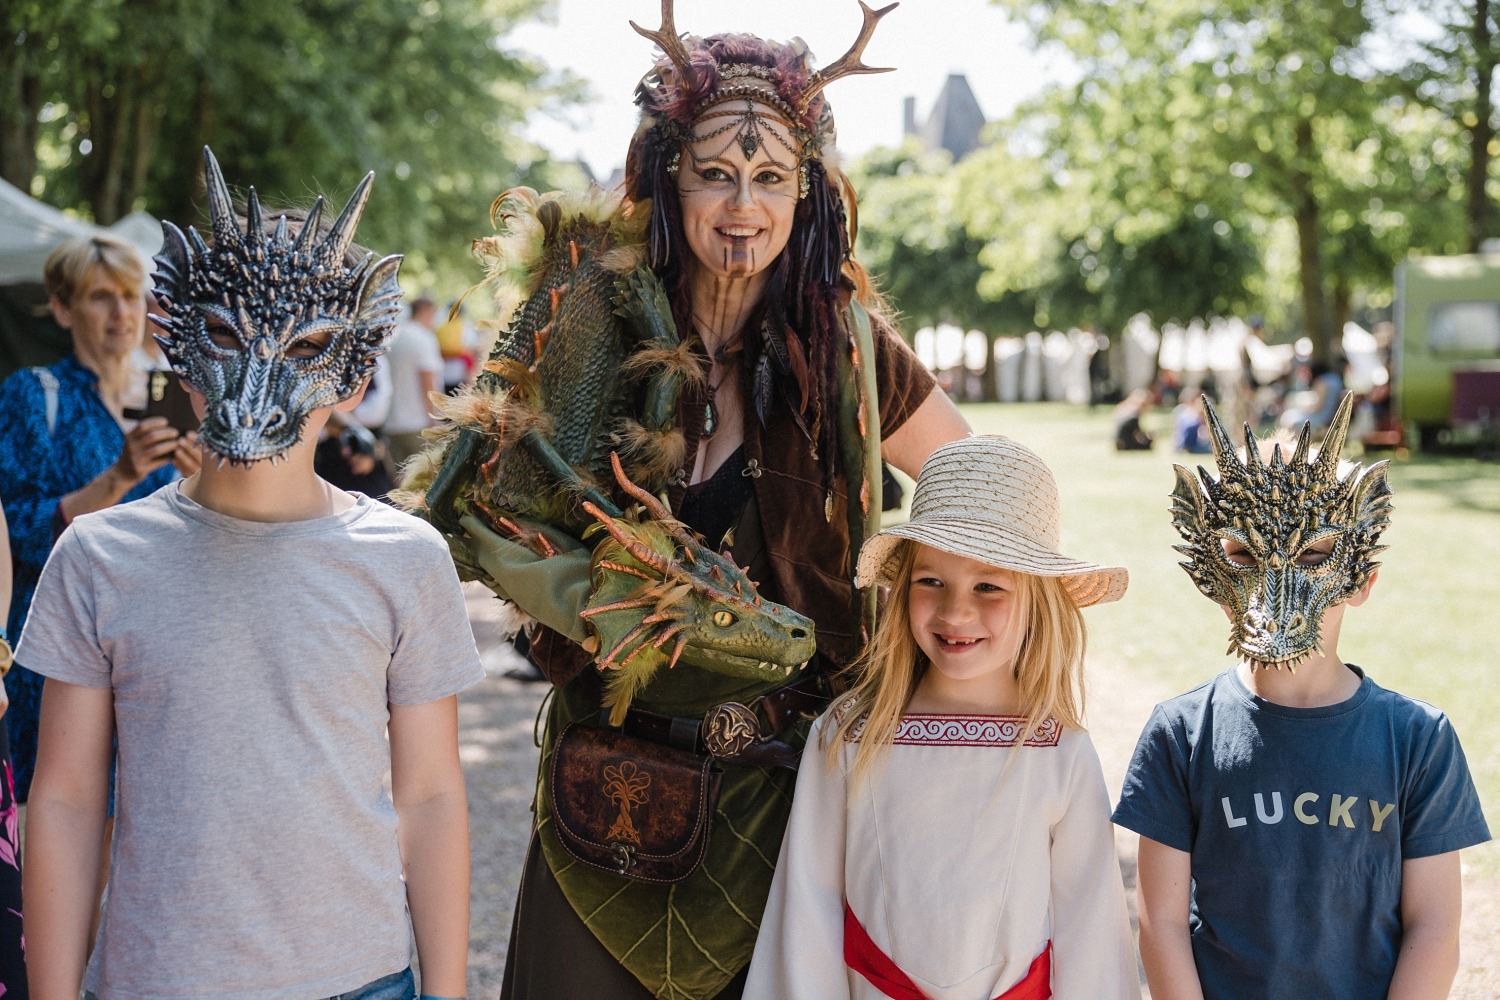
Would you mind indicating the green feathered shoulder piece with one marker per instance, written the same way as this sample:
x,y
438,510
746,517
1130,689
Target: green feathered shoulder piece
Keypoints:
x,y
575,406
587,361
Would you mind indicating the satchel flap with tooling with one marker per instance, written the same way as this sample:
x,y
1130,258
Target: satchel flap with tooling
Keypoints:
x,y
630,806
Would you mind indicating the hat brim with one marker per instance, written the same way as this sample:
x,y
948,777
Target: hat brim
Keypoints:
x,y
974,538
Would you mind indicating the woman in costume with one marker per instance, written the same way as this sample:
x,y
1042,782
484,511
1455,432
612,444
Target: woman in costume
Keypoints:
x,y
750,234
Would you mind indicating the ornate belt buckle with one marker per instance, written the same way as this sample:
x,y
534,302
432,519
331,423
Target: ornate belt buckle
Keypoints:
x,y
730,729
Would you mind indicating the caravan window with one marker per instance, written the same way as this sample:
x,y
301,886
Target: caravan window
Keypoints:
x,y
1464,328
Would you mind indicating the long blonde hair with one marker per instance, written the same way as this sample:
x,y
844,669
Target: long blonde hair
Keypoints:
x,y
1048,666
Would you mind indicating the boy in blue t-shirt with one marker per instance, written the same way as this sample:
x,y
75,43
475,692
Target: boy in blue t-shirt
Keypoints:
x,y
1300,827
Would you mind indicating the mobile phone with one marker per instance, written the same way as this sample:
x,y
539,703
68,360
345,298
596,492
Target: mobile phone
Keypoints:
x,y
165,397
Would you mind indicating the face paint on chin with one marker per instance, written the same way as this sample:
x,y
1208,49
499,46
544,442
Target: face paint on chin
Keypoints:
x,y
739,258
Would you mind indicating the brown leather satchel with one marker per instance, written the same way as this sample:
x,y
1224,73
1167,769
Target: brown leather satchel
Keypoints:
x,y
629,806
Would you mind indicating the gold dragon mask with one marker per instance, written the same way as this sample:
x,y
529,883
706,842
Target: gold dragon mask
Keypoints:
x,y
1278,542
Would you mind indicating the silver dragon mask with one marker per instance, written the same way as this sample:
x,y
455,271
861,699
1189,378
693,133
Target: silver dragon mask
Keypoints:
x,y
1279,542
268,325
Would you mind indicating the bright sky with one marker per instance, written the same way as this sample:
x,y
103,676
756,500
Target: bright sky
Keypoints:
x,y
924,39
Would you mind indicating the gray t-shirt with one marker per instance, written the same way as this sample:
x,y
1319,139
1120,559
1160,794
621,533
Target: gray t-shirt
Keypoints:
x,y
252,666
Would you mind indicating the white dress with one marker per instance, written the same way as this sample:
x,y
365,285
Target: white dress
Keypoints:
x,y
962,856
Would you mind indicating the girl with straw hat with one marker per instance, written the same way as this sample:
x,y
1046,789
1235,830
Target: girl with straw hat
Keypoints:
x,y
953,840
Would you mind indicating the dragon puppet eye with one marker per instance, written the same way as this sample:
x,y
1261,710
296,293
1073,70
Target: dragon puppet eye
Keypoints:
x,y
724,619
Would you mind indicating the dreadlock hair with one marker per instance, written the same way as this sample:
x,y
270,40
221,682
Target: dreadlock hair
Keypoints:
x,y
793,341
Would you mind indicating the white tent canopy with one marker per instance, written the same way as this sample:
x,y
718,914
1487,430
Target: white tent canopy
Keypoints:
x,y
30,229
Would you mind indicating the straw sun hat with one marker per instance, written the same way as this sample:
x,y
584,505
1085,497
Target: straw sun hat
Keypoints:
x,y
993,500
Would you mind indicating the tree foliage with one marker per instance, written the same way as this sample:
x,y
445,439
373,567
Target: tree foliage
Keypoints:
x,y
1252,111
913,235
1208,156
1007,242
109,103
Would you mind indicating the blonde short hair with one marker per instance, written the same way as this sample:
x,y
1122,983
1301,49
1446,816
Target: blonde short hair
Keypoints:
x,y
69,263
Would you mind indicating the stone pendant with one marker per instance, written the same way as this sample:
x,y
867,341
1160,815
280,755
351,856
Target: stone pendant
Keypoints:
x,y
710,417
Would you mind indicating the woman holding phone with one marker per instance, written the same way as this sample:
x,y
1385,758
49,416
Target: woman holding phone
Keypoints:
x,y
66,446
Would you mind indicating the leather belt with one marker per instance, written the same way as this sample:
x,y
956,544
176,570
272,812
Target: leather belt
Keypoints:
x,y
732,731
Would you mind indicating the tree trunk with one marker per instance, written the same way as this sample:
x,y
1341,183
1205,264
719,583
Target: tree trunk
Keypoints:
x,y
112,94
1307,212
1343,298
20,101
143,132
1480,211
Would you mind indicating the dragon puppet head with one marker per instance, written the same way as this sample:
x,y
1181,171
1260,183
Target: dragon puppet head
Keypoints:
x,y
270,326
660,595
1277,543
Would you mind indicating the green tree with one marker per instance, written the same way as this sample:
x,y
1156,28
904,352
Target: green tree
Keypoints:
x,y
913,238
1099,226
1452,70
1246,112
295,96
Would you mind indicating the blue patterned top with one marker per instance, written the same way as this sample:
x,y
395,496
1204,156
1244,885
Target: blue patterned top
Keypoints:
x,y
37,469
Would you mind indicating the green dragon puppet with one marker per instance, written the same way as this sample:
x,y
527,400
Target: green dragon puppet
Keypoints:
x,y
580,394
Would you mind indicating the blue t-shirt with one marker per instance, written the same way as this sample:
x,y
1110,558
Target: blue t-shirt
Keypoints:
x,y
1298,821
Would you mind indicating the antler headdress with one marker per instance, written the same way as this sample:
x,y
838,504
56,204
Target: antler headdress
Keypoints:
x,y
695,75
754,92
270,327
1278,543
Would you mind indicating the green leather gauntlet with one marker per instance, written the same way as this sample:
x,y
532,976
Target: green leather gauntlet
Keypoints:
x,y
550,588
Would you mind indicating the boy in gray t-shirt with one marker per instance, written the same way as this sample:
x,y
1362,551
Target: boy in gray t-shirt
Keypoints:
x,y
264,649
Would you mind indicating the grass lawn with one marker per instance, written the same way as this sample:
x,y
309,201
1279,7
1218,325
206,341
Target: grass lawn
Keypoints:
x,y
1423,632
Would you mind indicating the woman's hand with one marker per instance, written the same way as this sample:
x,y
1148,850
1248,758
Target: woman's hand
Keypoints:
x,y
187,455
151,444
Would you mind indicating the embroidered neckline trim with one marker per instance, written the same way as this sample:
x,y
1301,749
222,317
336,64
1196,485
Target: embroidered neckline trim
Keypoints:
x,y
970,731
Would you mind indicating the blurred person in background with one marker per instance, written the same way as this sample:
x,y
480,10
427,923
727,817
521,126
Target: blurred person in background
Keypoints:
x,y
1316,403
350,454
1129,434
66,447
416,370
1190,425
457,341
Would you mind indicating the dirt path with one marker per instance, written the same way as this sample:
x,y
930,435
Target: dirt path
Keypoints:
x,y
500,760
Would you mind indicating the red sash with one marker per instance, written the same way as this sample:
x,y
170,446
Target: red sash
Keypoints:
x,y
865,957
